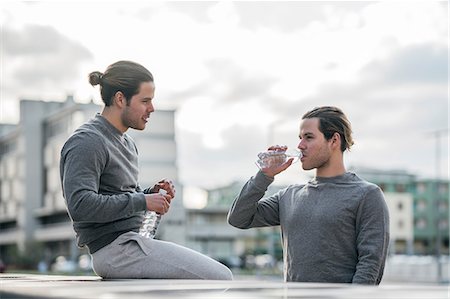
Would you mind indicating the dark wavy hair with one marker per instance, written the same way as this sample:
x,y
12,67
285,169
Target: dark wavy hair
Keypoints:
x,y
333,120
124,76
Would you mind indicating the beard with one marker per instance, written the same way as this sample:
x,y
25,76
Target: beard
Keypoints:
x,y
130,120
318,161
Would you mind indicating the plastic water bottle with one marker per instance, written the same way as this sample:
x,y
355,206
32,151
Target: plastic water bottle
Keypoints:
x,y
277,157
150,222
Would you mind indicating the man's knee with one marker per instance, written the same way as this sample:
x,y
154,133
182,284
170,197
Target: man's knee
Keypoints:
x,y
227,274
223,273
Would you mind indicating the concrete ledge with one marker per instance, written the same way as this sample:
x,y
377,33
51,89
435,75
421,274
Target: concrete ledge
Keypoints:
x,y
14,286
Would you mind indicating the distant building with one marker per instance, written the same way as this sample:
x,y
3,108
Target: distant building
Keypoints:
x,y
431,215
32,209
411,203
400,207
210,233
430,210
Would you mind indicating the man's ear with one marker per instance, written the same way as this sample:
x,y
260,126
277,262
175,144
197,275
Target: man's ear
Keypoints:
x,y
119,99
336,139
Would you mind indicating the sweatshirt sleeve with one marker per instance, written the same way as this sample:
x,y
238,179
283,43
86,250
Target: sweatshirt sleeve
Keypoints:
x,y
250,210
372,226
82,160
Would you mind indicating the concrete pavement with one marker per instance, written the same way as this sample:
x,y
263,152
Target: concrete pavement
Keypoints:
x,y
14,286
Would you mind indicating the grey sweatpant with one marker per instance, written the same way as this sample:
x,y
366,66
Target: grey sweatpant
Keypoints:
x,y
133,256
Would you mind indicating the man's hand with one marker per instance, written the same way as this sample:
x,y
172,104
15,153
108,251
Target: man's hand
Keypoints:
x,y
273,170
160,203
166,185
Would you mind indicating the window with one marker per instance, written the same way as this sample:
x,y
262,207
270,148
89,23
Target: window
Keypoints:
x,y
421,223
421,187
443,188
421,205
442,206
443,224
7,147
44,185
400,187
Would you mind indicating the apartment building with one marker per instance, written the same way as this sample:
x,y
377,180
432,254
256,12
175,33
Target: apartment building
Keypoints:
x,y
419,210
431,216
411,203
211,234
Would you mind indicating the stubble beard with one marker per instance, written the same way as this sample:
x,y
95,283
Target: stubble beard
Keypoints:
x,y
320,162
131,122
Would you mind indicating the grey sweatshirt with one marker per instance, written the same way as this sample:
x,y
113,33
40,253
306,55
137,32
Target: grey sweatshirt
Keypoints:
x,y
99,176
333,229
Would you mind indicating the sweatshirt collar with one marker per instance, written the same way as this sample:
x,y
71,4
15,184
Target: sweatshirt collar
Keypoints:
x,y
106,124
348,176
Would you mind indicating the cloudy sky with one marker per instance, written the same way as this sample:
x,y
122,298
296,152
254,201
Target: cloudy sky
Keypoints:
x,y
241,74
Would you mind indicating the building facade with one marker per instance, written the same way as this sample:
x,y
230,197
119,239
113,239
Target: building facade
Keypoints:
x,y
210,233
33,216
428,216
413,208
431,216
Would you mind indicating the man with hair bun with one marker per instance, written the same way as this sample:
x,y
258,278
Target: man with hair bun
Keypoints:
x,y
335,228
99,175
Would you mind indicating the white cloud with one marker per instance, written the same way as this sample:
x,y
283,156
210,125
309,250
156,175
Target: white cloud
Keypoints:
x,y
210,119
231,66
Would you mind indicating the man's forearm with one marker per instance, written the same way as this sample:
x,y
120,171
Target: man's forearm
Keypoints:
x,y
245,205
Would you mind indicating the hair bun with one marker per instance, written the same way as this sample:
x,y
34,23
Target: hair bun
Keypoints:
x,y
95,78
